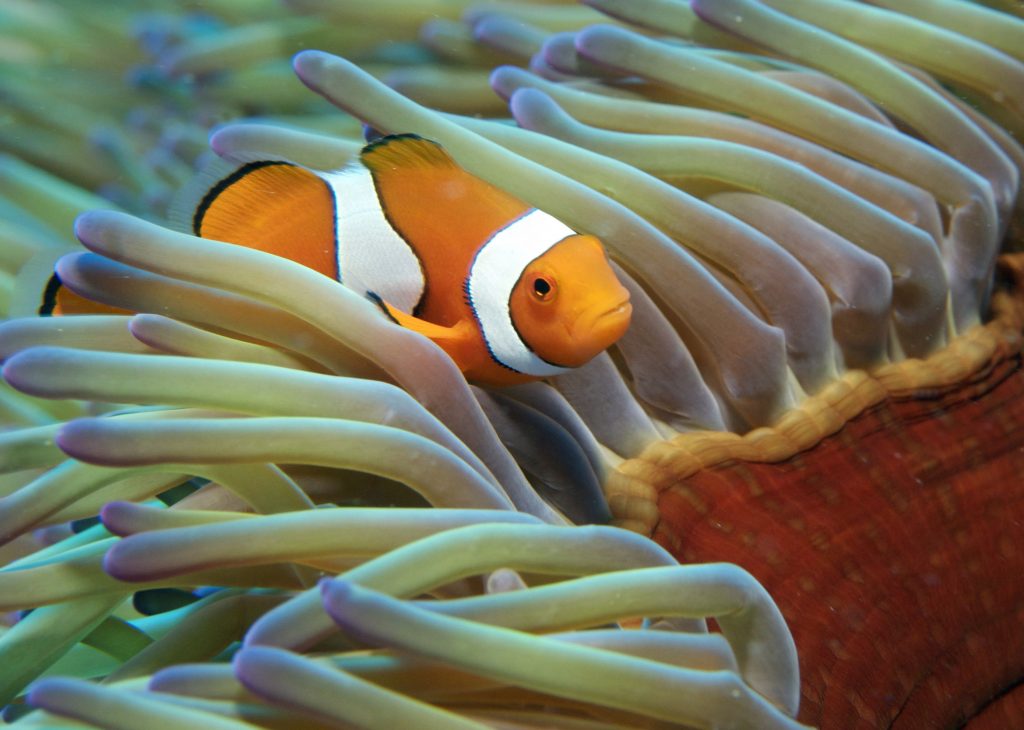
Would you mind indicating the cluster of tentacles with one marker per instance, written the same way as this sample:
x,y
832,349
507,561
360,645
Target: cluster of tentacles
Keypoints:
x,y
251,500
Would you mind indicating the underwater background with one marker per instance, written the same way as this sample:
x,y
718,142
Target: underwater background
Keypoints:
x,y
789,496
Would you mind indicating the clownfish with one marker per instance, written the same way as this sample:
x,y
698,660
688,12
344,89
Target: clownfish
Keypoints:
x,y
508,291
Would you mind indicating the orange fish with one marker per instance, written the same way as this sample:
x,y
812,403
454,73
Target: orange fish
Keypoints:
x,y
509,292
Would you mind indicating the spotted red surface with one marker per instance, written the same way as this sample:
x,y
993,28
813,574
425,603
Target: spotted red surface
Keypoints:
x,y
895,549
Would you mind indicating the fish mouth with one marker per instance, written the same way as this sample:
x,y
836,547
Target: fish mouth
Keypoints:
x,y
608,325
594,331
623,309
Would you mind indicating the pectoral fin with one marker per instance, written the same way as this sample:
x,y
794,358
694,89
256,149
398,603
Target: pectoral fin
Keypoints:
x,y
456,340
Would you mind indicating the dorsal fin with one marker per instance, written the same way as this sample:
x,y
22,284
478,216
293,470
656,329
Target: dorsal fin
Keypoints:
x,y
210,171
269,205
222,186
404,151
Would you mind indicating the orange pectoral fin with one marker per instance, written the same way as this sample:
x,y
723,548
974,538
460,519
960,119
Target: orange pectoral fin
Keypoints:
x,y
456,340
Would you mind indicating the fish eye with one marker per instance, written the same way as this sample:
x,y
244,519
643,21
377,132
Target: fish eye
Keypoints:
x,y
543,288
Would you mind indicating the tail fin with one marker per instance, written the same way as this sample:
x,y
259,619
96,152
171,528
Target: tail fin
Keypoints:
x,y
36,287
38,291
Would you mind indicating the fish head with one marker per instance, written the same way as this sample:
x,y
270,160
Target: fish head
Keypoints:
x,y
568,306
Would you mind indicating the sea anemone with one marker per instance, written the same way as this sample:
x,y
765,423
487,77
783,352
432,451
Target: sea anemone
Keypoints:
x,y
243,497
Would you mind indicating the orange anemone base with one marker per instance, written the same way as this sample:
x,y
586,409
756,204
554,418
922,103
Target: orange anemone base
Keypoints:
x,y
893,543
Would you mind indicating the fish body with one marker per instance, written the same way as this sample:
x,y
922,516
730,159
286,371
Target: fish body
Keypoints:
x,y
508,291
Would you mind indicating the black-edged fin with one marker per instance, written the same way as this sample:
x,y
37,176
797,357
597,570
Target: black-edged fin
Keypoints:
x,y
198,192
273,206
384,306
212,169
36,286
456,340
50,295
222,185
403,152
